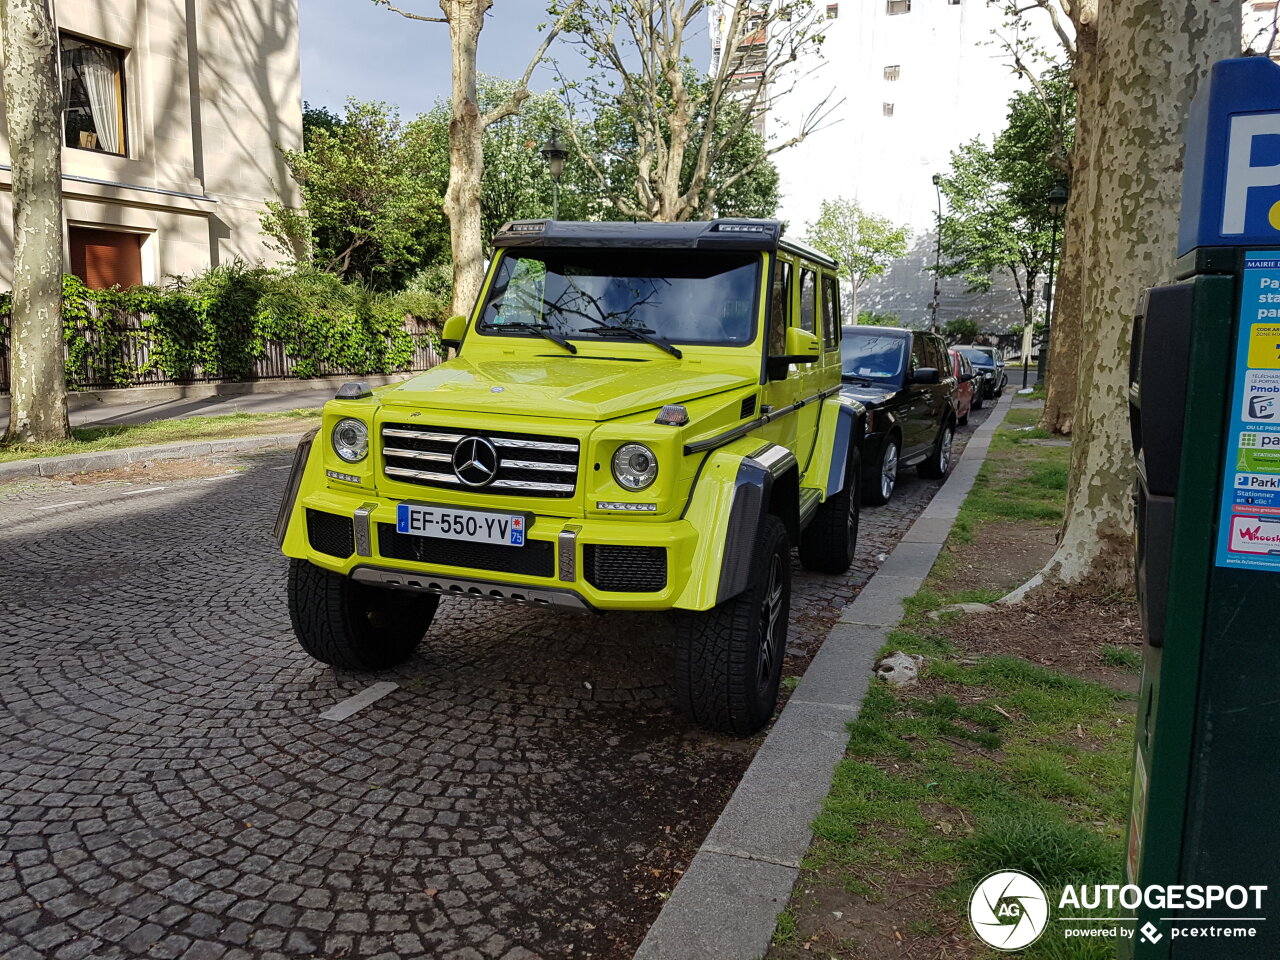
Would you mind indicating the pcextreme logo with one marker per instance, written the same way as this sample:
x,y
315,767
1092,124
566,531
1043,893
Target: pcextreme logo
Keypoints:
x,y
1009,910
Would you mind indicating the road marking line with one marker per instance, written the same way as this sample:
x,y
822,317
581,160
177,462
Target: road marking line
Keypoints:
x,y
129,493
288,466
345,708
55,506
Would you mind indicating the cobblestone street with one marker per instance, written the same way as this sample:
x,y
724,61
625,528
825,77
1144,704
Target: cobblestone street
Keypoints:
x,y
168,788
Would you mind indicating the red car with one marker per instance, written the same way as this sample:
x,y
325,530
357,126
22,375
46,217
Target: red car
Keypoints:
x,y
962,369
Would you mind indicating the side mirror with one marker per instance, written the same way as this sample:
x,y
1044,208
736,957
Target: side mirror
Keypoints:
x,y
451,335
925,375
966,377
802,346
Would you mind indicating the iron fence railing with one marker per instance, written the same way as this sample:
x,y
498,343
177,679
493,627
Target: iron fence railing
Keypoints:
x,y
133,352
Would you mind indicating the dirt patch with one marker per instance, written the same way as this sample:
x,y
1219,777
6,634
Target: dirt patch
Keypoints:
x,y
155,471
1002,555
898,918
1066,635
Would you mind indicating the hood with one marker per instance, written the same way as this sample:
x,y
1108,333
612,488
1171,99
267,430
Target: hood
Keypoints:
x,y
577,388
869,395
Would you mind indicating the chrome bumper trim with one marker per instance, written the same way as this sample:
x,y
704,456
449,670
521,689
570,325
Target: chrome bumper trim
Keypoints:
x,y
471,589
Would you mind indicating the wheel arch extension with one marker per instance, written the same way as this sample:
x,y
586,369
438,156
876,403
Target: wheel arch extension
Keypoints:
x,y
768,482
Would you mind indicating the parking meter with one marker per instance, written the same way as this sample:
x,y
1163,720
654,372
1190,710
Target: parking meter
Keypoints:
x,y
1205,415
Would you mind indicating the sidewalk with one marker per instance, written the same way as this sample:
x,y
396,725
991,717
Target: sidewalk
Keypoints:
x,y
134,405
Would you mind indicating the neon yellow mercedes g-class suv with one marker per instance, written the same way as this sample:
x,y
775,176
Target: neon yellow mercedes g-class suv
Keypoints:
x,y
638,417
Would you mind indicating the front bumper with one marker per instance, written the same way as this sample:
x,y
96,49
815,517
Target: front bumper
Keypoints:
x,y
585,564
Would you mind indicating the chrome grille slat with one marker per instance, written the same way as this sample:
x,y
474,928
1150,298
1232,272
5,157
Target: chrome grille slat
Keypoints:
x,y
417,454
530,465
535,445
423,475
536,465
565,488
420,434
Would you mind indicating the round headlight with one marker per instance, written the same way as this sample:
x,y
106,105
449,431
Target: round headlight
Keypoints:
x,y
351,440
635,466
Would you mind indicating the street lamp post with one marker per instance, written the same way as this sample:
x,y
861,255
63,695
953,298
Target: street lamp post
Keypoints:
x,y
1057,200
555,153
937,254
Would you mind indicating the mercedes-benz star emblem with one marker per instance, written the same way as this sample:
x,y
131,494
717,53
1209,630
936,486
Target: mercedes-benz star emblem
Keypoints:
x,y
475,461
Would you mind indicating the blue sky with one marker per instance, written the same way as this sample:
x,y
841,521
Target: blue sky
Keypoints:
x,y
354,48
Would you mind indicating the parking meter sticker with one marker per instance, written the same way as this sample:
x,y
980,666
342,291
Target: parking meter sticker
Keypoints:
x,y
1261,397
1264,338
1255,535
1258,452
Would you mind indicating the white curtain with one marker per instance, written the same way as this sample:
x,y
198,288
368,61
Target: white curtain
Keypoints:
x,y
98,69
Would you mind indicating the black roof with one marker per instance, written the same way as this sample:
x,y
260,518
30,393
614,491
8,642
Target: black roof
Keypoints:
x,y
723,234
899,332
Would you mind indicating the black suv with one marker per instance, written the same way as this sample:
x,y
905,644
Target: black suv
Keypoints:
x,y
989,367
904,379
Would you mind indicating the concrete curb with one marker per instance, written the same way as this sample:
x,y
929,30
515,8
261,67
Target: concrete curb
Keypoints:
x,y
726,905
160,393
112,459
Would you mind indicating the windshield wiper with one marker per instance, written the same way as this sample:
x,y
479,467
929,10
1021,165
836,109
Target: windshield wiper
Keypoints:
x,y
850,378
636,333
537,328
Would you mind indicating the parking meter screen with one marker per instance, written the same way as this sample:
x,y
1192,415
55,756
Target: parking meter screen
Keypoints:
x,y
1249,529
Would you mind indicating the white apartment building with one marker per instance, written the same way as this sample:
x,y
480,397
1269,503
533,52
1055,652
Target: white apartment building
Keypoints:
x,y
173,111
914,79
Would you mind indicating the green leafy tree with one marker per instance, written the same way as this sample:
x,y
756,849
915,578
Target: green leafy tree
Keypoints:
x,y
960,330
672,143
864,244
868,319
998,216
371,190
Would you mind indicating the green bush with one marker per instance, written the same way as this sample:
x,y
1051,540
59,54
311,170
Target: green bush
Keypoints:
x,y
220,322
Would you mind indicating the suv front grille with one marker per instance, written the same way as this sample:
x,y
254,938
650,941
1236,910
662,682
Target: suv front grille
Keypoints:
x,y
535,559
527,465
624,569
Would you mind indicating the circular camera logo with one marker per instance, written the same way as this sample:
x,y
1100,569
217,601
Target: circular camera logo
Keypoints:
x,y
1008,910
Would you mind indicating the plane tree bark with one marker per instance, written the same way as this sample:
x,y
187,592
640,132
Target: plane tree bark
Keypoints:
x,y
37,380
1151,56
465,19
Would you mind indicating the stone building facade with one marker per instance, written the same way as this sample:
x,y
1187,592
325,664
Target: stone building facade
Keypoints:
x,y
173,112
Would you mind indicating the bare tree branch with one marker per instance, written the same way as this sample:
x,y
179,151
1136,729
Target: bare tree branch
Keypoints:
x,y
408,15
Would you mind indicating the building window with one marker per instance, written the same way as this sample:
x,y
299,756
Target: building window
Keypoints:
x,y
953,3
888,109
93,95
105,258
895,7
891,73
833,10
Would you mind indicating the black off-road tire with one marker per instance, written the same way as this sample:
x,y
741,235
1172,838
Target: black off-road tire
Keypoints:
x,y
938,464
873,494
723,678
351,625
828,544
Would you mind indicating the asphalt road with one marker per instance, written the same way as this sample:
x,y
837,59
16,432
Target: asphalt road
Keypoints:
x,y
169,789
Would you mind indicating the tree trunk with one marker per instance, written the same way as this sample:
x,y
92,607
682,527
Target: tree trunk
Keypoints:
x,y
1151,57
38,392
1064,361
466,153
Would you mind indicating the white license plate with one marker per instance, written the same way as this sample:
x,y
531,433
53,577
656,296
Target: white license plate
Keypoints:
x,y
473,525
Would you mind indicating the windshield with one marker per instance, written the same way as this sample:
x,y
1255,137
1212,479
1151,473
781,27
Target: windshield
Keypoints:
x,y
978,355
680,296
868,356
